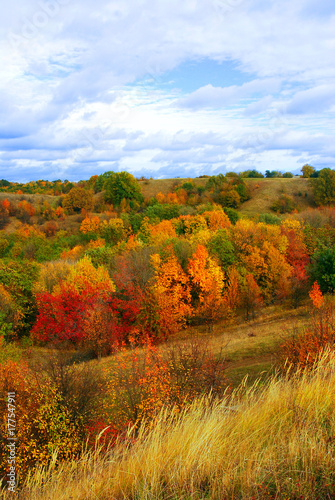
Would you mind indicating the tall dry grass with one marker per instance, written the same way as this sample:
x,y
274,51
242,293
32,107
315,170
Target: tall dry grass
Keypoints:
x,y
276,441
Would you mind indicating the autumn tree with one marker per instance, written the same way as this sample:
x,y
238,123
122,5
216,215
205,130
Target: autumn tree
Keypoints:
x,y
307,170
170,287
63,314
207,281
90,225
251,298
77,199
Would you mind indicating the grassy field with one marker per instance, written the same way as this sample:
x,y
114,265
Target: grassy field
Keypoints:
x,y
151,187
263,192
249,347
270,442
266,191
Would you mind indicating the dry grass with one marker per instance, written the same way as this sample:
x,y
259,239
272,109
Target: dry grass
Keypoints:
x,y
154,186
34,199
273,442
270,189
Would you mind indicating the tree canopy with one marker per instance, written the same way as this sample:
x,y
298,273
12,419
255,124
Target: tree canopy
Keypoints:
x,y
119,186
324,187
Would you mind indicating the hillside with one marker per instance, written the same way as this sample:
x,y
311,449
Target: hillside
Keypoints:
x,y
263,191
266,191
276,442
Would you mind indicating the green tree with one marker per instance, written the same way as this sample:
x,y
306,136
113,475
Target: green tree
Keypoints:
x,y
122,185
324,187
307,170
274,173
323,269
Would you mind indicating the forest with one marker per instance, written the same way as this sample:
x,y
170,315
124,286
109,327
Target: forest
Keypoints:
x,y
150,329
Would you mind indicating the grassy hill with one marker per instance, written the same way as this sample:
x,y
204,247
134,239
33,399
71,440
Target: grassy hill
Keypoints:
x,y
274,442
263,192
266,191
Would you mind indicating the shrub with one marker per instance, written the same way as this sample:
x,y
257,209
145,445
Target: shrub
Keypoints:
x,y
43,422
302,349
77,199
284,204
324,187
269,219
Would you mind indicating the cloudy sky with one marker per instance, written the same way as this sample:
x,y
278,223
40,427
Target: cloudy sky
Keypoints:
x,y
165,88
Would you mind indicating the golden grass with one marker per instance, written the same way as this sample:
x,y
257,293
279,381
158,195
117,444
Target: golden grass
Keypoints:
x,y
271,442
154,186
34,199
269,190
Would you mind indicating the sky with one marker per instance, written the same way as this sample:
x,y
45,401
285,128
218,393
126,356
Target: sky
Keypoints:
x,y
165,88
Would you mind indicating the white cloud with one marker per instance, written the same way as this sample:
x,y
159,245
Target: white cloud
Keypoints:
x,y
75,76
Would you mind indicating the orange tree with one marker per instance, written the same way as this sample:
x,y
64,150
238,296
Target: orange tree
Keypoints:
x,y
207,282
170,287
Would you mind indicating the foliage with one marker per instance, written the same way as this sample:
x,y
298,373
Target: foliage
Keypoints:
x,y
251,298
252,174
303,349
90,225
220,246
64,313
17,279
113,231
9,351
316,295
232,214
145,379
274,173
307,170
207,281
50,275
77,199
120,186
323,269
170,287
269,219
284,204
43,422
324,187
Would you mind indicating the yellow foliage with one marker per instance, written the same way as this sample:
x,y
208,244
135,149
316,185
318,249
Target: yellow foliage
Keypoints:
x,y
51,274
73,254
100,242
90,225
292,224
84,272
26,231
201,237
217,219
160,197
207,279
43,423
162,231
171,288
203,270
